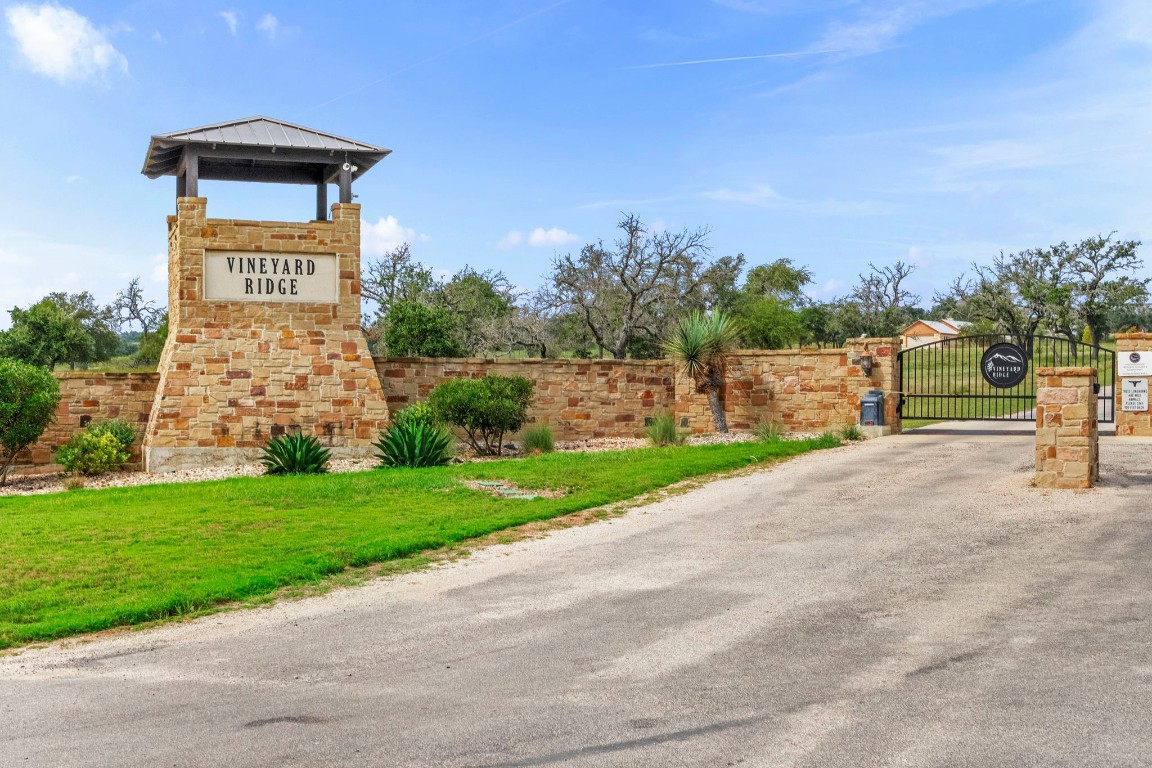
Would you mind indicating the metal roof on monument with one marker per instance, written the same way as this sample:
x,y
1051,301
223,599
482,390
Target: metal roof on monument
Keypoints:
x,y
255,142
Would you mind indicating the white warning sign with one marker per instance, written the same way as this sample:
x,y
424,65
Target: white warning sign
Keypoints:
x,y
1133,394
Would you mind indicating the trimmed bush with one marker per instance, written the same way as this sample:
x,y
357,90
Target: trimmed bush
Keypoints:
x,y
663,431
124,432
538,440
411,442
28,399
88,453
295,454
484,408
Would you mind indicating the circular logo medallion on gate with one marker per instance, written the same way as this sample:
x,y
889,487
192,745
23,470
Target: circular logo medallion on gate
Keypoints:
x,y
1004,365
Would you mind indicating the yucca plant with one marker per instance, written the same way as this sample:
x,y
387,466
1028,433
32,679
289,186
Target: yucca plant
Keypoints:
x,y
701,345
410,442
295,454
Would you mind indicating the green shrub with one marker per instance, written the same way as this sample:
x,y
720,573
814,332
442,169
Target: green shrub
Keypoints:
x,y
28,399
851,432
410,442
767,432
417,413
295,454
421,330
92,454
663,431
538,440
124,432
484,408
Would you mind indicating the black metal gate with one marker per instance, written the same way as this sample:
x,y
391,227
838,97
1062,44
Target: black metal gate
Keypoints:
x,y
943,381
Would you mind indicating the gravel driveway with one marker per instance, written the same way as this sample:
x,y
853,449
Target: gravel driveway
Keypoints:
x,y
907,602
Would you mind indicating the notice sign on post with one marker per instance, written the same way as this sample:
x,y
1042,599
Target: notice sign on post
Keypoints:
x,y
1134,363
265,276
1134,394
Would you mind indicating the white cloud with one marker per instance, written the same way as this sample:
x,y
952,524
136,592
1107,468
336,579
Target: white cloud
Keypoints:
x,y
62,44
757,193
511,240
879,24
385,235
269,25
75,179
554,236
232,19
538,238
159,268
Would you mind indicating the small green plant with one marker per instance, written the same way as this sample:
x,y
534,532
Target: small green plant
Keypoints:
x,y
484,408
411,442
538,440
851,432
92,454
663,431
419,413
295,454
124,432
767,432
829,440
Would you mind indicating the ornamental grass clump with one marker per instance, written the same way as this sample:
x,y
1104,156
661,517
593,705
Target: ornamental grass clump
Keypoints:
x,y
295,454
414,439
663,431
538,440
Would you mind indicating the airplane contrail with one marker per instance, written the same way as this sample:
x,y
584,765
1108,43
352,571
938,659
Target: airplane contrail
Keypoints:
x,y
790,54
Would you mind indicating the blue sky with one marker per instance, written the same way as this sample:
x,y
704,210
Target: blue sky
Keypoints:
x,y
831,132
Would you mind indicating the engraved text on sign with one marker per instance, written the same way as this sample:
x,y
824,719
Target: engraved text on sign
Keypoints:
x,y
266,276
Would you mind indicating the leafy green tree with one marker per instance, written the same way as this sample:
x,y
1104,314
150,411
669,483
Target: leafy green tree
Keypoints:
x,y
481,303
45,335
99,322
1101,288
769,323
152,347
420,330
393,278
701,346
779,280
28,399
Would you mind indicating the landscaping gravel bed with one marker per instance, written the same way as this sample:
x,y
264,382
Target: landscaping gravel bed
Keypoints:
x,y
27,485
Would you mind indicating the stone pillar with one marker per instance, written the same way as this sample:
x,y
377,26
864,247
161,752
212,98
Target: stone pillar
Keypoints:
x,y
885,376
1132,423
263,337
1067,440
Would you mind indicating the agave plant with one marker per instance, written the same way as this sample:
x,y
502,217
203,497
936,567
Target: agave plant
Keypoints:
x,y
295,454
701,345
411,442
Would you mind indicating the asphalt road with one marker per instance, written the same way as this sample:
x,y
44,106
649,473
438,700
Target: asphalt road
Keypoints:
x,y
907,602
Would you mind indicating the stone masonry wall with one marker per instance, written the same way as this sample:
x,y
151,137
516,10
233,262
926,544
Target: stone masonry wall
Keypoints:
x,y
577,398
1131,422
807,390
86,397
802,391
234,373
1067,437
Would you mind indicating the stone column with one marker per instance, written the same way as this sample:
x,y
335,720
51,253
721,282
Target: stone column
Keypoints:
x,y
1067,440
885,376
1131,423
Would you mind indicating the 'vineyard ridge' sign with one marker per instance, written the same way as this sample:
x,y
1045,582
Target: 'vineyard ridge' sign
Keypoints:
x,y
265,276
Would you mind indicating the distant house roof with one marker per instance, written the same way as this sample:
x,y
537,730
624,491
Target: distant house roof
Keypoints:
x,y
239,149
942,327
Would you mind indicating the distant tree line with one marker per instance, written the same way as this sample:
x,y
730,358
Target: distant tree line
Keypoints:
x,y
624,298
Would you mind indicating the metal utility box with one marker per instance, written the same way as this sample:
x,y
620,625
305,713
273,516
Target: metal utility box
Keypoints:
x,y
872,409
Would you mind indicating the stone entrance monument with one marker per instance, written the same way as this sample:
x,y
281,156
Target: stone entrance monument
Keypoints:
x,y
264,329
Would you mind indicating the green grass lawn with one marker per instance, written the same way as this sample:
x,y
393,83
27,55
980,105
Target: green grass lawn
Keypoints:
x,y
87,560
